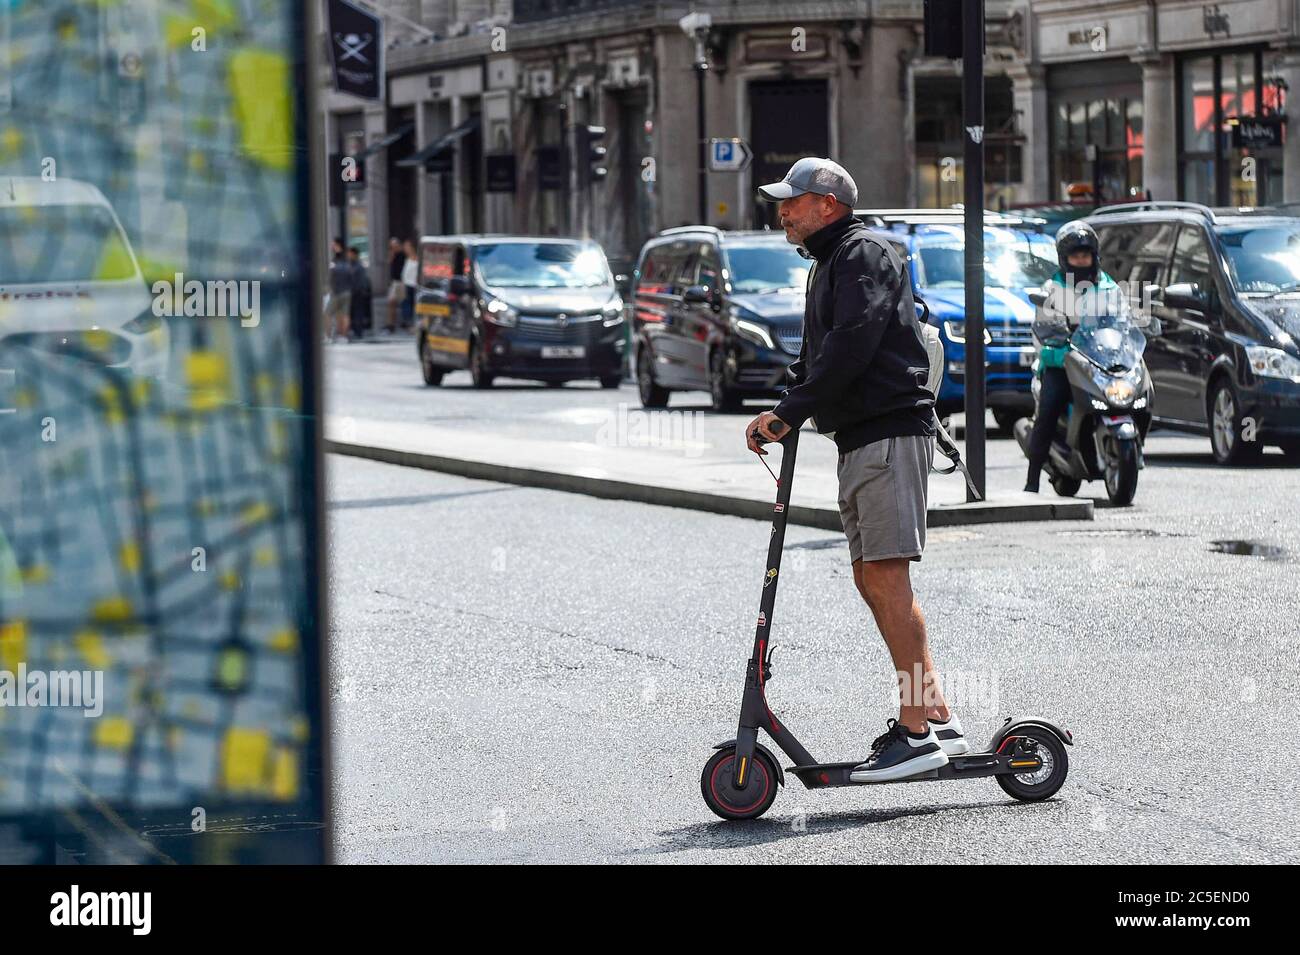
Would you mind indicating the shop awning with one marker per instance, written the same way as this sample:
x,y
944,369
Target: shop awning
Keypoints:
x,y
442,144
386,141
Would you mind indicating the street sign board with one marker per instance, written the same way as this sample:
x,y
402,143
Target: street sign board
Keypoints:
x,y
729,155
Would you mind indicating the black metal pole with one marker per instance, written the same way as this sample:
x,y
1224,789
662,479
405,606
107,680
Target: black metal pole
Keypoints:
x,y
701,67
972,81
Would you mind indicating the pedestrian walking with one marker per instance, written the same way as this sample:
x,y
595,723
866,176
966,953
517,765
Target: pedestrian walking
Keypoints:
x,y
409,274
396,290
338,304
361,294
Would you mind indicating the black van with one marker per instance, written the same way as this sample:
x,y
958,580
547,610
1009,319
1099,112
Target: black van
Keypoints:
x,y
1227,361
716,311
544,309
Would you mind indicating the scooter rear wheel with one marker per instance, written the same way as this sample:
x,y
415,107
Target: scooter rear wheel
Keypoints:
x,y
1066,487
748,802
1042,783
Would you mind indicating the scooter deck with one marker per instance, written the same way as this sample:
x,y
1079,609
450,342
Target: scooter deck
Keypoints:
x,y
967,766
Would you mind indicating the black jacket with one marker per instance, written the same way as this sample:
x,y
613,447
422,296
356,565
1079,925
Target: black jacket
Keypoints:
x,y
867,376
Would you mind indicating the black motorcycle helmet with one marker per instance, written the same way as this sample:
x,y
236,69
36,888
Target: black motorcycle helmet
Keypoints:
x,y
1072,237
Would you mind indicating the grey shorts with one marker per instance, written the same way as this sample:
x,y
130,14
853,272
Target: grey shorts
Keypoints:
x,y
883,488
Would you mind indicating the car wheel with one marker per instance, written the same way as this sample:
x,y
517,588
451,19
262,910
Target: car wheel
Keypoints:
x,y
611,381
478,365
1226,441
652,394
724,399
432,373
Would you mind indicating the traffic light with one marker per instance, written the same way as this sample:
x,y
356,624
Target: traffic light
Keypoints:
x,y
591,154
943,28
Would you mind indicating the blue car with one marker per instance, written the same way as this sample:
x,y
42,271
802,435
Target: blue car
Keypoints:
x,y
1017,259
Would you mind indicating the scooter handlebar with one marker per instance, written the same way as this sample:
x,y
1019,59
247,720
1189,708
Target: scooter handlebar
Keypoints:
x,y
777,426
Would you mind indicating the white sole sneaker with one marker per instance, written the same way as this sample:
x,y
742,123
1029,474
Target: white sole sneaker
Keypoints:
x,y
952,740
913,767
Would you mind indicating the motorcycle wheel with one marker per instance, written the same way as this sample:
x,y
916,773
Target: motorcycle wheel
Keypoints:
x,y
1066,487
1121,469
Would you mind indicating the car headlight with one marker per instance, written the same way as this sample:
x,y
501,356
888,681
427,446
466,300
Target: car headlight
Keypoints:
x,y
956,332
499,313
613,311
753,331
144,323
1273,362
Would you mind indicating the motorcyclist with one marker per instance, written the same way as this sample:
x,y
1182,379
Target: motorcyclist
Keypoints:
x,y
1079,276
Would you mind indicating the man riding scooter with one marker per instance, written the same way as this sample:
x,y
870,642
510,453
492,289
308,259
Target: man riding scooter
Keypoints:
x,y
1078,255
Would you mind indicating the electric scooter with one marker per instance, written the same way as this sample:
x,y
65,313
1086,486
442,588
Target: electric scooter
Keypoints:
x,y
1027,756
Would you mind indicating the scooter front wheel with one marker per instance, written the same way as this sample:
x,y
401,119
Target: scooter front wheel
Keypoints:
x,y
748,802
1043,782
1121,470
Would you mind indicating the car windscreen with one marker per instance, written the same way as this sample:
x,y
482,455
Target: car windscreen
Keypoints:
x,y
1022,262
61,243
541,265
1263,258
766,267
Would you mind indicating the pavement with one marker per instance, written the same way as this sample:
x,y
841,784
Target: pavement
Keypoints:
x,y
523,675
588,440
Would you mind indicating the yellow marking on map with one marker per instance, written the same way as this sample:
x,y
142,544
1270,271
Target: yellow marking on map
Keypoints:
x,y
91,647
264,556
114,732
36,574
115,609
204,506
111,403
130,557
244,760
255,514
284,776
207,373
300,729
260,84
232,669
229,580
11,140
13,643
284,641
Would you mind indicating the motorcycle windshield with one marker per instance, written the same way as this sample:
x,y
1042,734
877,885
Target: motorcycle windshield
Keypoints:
x,y
1106,336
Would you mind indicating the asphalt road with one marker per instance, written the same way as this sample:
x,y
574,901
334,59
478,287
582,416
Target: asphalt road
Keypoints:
x,y
527,675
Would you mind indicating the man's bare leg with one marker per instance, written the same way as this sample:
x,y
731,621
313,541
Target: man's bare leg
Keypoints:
x,y
886,586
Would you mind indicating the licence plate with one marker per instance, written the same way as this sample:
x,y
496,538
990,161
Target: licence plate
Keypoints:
x,y
1027,358
564,351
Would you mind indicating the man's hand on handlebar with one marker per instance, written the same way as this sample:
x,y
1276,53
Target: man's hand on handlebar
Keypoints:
x,y
766,427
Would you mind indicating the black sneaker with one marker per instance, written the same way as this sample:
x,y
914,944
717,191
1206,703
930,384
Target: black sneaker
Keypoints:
x,y
900,754
951,737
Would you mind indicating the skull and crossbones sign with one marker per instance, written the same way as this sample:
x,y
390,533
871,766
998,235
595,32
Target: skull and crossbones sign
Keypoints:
x,y
351,45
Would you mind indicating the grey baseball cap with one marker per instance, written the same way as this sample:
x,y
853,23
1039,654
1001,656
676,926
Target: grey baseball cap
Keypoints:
x,y
810,174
